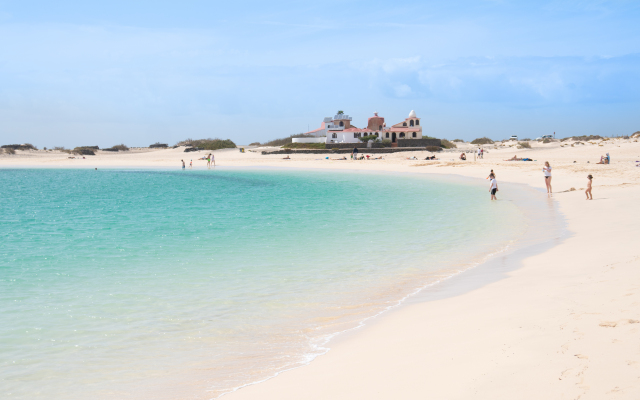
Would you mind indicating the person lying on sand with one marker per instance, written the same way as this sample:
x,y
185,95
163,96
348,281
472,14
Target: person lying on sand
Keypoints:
x,y
433,157
463,157
514,158
339,159
412,158
286,158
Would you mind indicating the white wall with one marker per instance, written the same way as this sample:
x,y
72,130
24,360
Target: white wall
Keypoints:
x,y
309,140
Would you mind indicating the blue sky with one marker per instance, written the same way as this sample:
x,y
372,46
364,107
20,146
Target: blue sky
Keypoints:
x,y
74,73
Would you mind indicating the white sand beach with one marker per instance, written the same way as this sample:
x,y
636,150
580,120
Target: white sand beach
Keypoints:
x,y
563,325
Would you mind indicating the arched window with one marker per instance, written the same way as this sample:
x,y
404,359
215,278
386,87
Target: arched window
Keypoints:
x,y
411,123
417,122
356,135
334,136
341,123
402,134
387,135
380,127
404,124
376,134
414,134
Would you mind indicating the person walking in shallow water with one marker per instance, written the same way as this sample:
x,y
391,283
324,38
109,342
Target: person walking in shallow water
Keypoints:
x,y
588,191
493,186
547,176
182,164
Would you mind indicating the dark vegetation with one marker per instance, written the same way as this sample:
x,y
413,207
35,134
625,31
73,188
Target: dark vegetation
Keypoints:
x,y
208,144
458,140
584,138
119,147
84,151
158,145
526,140
26,146
283,141
433,149
524,145
447,144
386,142
254,144
547,141
482,140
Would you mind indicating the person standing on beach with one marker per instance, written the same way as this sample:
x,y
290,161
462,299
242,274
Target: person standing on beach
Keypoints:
x,y
182,164
482,153
493,186
491,174
213,159
354,153
191,164
547,176
208,160
588,191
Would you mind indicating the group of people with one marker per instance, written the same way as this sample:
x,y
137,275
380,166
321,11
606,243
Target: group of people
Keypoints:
x,y
210,161
546,170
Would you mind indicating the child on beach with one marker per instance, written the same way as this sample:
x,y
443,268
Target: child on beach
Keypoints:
x,y
191,164
588,191
493,186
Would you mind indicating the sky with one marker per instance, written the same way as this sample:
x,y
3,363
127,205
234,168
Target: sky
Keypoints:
x,y
73,73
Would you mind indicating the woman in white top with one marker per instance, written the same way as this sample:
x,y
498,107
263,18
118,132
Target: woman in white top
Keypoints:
x,y
547,175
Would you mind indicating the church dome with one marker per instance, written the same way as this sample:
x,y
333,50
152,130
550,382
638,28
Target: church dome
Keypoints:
x,y
412,114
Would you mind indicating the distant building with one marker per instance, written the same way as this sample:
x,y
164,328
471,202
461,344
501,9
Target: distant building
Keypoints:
x,y
339,129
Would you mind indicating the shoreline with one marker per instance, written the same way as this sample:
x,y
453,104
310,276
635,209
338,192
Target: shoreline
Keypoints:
x,y
558,326
489,268
352,369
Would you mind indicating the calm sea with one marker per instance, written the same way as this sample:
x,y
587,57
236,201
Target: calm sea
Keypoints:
x,y
118,284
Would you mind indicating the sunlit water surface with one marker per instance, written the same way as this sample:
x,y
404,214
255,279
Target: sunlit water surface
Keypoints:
x,y
157,284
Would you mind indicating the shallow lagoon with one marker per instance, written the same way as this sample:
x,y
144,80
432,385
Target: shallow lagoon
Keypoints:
x,y
158,284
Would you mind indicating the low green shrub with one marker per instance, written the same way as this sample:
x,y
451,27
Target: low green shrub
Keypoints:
x,y
524,145
25,146
447,144
386,142
208,144
433,149
546,141
482,140
84,151
458,140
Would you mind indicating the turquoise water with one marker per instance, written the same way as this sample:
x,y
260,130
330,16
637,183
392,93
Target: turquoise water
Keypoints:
x,y
186,284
